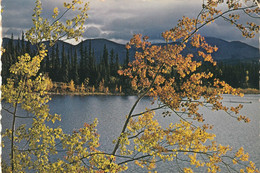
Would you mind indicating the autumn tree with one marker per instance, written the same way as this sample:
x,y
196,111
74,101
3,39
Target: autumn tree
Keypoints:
x,y
182,93
142,139
82,88
64,87
31,145
71,86
49,83
101,86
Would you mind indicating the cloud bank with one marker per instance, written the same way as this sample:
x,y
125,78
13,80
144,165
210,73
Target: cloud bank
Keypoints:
x,y
118,20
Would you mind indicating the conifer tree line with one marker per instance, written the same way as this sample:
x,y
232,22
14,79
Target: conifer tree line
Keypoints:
x,y
83,67
238,75
64,65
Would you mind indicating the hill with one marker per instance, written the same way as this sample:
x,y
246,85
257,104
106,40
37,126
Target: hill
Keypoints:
x,y
229,52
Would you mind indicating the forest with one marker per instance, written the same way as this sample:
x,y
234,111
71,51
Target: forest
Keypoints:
x,y
100,73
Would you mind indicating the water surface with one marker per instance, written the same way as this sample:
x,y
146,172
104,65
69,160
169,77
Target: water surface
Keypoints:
x,y
111,112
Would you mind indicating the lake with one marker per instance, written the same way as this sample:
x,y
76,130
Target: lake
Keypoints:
x,y
112,110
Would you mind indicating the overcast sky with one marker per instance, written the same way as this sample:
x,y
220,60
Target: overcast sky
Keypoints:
x,y
118,20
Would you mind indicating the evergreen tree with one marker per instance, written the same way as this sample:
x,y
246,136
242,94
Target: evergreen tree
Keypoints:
x,y
23,44
18,47
81,62
8,58
62,57
12,54
75,75
92,75
105,56
127,59
64,66
86,64
117,64
69,63
56,66
6,64
90,48
52,64
105,65
28,47
83,68
124,81
48,64
112,64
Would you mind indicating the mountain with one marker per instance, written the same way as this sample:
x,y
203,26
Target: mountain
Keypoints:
x,y
233,51
230,52
98,47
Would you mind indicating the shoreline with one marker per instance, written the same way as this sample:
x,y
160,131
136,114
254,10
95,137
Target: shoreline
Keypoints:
x,y
249,91
244,91
86,94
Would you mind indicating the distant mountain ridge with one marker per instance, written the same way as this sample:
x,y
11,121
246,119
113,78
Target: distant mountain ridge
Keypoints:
x,y
232,52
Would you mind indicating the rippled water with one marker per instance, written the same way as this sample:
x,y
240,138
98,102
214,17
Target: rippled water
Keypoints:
x,y
112,110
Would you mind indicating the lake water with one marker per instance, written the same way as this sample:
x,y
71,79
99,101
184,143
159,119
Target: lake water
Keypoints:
x,y
112,110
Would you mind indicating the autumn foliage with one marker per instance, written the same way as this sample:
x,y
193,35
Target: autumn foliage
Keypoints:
x,y
162,72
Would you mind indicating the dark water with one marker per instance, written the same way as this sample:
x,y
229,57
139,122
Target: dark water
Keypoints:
x,y
112,110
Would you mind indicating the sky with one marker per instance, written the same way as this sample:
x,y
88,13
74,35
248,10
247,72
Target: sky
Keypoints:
x,y
118,20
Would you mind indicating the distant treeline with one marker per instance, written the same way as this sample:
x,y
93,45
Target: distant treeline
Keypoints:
x,y
64,65
238,75
83,67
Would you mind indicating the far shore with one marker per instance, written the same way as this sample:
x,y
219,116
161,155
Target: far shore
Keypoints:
x,y
86,94
250,91
245,91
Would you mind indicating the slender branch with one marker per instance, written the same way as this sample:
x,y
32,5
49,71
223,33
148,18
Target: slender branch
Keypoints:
x,y
61,15
133,108
154,109
136,135
24,117
16,115
39,148
85,163
235,23
13,126
177,163
199,15
36,149
7,111
256,17
229,113
27,142
133,159
216,17
93,154
59,38
183,118
227,166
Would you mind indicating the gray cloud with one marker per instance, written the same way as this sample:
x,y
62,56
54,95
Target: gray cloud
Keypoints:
x,y
125,19
15,31
120,19
16,16
92,32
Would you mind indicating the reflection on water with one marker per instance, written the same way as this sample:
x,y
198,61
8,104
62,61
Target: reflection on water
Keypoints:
x,y
112,110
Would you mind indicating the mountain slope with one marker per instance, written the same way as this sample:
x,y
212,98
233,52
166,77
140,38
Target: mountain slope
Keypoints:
x,y
231,52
